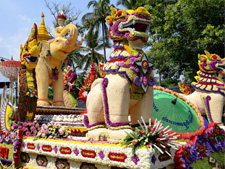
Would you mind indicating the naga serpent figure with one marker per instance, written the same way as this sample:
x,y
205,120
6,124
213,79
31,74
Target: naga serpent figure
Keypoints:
x,y
27,83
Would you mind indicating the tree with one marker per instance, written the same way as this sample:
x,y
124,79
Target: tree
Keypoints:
x,y
97,18
181,30
130,4
56,8
68,10
157,53
94,43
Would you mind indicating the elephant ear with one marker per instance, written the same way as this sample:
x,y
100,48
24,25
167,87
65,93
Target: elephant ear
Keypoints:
x,y
45,49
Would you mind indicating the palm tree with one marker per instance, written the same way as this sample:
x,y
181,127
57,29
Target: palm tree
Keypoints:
x,y
131,4
97,17
94,43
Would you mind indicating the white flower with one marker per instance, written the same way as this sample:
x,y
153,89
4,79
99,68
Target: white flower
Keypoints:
x,y
85,93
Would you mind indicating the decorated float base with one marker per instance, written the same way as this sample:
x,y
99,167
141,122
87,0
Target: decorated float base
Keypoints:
x,y
81,154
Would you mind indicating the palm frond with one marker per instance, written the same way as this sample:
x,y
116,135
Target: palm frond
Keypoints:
x,y
93,3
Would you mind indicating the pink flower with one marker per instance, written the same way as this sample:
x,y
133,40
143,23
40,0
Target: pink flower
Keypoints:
x,y
152,130
161,132
50,137
39,128
150,144
32,128
28,133
14,125
165,143
25,124
149,127
44,126
42,130
12,128
20,127
47,131
53,133
134,142
36,125
43,135
24,129
61,132
158,139
54,125
35,131
141,132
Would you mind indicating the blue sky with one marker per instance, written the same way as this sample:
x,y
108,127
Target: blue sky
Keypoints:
x,y
17,18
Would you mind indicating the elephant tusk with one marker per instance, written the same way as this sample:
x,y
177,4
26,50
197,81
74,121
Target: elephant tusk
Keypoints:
x,y
83,38
80,42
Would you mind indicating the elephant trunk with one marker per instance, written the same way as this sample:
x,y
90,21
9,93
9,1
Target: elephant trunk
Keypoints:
x,y
71,42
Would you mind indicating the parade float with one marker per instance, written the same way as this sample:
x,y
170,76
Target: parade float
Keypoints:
x,y
129,122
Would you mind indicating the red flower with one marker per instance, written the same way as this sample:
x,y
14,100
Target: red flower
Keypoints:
x,y
217,129
110,23
186,152
201,150
134,142
141,132
33,92
212,137
165,143
119,13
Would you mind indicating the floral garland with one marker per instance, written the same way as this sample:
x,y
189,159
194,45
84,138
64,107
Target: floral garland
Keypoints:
x,y
200,147
100,153
152,136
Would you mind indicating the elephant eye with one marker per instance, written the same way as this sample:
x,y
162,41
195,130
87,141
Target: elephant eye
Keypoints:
x,y
57,40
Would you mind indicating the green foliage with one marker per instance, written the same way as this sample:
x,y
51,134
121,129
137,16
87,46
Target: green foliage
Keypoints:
x,y
130,4
50,93
97,19
79,84
94,43
182,29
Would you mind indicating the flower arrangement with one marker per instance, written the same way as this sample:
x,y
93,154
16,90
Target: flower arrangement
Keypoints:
x,y
153,136
29,128
210,143
52,130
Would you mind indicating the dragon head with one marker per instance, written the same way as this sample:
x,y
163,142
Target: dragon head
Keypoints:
x,y
211,63
69,79
131,25
30,52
